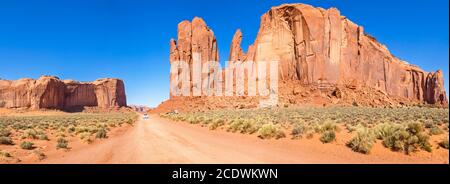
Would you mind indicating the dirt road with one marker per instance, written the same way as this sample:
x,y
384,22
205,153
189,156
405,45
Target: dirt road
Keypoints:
x,y
160,141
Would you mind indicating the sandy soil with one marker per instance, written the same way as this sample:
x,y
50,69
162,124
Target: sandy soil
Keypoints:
x,y
162,141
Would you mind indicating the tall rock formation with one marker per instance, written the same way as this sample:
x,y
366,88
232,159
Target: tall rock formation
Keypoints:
x,y
194,37
321,54
318,46
51,93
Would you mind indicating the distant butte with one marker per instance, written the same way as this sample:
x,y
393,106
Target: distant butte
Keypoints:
x,y
50,92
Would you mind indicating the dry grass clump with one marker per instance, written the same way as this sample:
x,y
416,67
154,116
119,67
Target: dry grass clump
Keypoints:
x,y
5,154
6,141
363,141
26,145
444,143
407,138
62,143
328,136
270,130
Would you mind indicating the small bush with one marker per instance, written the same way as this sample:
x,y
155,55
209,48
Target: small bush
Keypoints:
x,y
216,124
435,130
43,137
30,134
62,143
350,128
270,130
86,137
26,145
407,139
385,130
235,125
299,130
363,141
5,154
328,136
101,134
248,127
5,133
444,143
71,129
328,125
6,141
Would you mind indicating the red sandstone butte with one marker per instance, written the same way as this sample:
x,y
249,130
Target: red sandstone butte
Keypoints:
x,y
324,58
51,93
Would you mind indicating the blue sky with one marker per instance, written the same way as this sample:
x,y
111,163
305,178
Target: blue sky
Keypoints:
x,y
129,39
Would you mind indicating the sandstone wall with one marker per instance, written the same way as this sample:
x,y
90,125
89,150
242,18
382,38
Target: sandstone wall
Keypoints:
x,y
51,93
318,47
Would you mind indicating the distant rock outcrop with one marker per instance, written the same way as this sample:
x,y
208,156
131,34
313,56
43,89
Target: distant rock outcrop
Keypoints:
x,y
51,93
323,58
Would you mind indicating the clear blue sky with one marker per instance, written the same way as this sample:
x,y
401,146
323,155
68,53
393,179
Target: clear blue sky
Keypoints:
x,y
129,39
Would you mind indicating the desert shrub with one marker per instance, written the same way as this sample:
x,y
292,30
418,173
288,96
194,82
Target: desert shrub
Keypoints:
x,y
385,130
86,137
363,141
71,129
5,133
328,136
216,123
299,130
435,130
328,125
444,143
30,134
234,125
62,143
101,134
43,137
5,154
428,124
6,141
270,130
61,134
350,128
407,138
26,145
81,129
243,126
249,127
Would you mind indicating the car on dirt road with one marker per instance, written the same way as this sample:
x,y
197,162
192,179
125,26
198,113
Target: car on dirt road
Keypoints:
x,y
145,116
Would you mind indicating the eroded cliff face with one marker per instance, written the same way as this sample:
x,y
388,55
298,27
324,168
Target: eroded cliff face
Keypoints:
x,y
318,46
51,93
321,53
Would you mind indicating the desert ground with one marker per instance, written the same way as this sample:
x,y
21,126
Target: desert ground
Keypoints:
x,y
160,140
32,136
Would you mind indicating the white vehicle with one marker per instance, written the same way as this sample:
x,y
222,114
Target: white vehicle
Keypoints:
x,y
145,116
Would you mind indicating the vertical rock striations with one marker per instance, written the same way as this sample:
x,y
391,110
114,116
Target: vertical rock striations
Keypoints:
x,y
51,93
319,49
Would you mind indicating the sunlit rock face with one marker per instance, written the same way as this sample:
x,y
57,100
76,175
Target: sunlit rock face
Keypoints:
x,y
51,93
324,58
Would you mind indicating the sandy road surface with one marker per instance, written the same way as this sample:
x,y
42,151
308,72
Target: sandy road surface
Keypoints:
x,y
160,141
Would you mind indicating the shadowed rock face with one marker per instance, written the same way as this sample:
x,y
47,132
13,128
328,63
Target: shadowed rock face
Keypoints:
x,y
318,48
51,93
